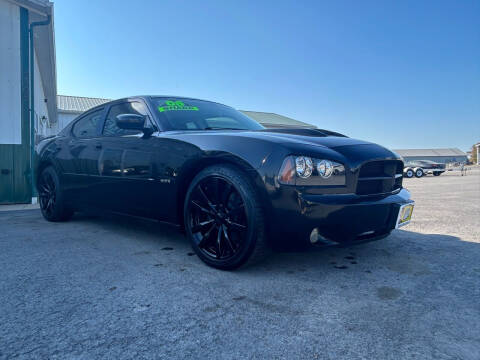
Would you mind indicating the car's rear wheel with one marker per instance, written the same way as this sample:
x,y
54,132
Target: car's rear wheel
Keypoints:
x,y
419,173
51,199
409,173
437,173
224,218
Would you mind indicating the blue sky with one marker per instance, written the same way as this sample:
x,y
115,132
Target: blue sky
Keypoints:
x,y
405,74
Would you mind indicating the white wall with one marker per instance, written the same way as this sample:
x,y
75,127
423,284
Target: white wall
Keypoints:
x,y
43,125
10,88
64,119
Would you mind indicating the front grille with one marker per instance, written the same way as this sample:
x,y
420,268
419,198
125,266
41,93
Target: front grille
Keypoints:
x,y
379,177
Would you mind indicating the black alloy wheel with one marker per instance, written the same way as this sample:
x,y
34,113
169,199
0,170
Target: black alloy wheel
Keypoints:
x,y
47,193
51,197
223,219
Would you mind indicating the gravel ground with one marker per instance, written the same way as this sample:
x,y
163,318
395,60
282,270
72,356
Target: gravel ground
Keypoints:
x,y
121,288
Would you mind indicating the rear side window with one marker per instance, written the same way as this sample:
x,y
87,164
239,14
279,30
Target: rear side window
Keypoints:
x,y
111,129
88,125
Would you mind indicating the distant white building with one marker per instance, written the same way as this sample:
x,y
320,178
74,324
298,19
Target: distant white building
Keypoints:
x,y
477,147
438,155
69,107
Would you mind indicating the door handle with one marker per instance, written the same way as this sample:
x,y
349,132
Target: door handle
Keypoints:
x,y
5,171
98,146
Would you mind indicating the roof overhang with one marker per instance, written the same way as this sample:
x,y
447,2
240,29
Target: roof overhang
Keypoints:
x,y
36,6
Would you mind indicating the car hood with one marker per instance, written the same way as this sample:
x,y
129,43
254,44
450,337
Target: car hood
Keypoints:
x,y
313,137
357,151
306,141
309,138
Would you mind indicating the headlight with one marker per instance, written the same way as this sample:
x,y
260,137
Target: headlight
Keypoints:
x,y
303,166
307,171
325,168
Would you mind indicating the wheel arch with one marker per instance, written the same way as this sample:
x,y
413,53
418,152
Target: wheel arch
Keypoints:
x,y
195,167
42,164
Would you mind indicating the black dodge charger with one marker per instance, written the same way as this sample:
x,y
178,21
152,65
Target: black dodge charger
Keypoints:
x,y
235,187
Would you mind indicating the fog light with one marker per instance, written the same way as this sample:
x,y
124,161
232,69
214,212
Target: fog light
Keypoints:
x,y
314,236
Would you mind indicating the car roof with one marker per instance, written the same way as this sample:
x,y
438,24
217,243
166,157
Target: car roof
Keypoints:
x,y
129,98
150,97
147,98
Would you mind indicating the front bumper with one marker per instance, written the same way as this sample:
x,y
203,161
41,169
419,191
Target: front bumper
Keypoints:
x,y
341,219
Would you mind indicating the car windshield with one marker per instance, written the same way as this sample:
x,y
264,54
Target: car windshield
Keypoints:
x,y
189,114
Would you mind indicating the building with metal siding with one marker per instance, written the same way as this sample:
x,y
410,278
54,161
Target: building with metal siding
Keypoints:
x,y
438,155
476,148
69,107
16,18
272,120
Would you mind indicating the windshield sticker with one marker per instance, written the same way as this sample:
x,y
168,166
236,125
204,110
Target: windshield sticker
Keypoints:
x,y
171,105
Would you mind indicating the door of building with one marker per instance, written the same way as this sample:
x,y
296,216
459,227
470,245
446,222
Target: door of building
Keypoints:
x,y
14,171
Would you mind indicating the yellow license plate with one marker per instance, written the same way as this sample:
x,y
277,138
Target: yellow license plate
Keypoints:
x,y
404,214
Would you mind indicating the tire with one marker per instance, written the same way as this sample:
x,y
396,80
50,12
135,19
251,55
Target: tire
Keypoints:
x,y
51,199
437,173
419,173
409,173
224,219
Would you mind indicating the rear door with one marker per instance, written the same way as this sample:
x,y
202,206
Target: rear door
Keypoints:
x,y
78,157
126,163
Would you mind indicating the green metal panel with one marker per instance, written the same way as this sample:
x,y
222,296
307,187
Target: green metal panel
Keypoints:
x,y
21,185
14,184
6,174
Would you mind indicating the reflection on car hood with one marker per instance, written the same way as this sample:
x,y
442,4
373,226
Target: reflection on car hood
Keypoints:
x,y
315,137
322,140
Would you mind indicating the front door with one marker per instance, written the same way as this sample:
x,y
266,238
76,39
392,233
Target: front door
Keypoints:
x,y
126,163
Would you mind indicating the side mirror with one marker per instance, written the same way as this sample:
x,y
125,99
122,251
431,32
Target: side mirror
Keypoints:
x,y
131,122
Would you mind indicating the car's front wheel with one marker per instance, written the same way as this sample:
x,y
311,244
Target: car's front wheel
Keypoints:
x,y
409,173
224,218
437,173
51,198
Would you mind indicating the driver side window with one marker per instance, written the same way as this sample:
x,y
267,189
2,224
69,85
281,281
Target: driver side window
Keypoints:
x,y
111,129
